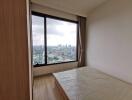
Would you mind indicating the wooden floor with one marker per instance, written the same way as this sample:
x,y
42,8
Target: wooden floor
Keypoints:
x,y
44,89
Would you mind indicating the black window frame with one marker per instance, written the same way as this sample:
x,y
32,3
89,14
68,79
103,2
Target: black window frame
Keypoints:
x,y
45,36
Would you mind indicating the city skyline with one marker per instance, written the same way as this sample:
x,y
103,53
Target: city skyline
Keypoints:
x,y
55,54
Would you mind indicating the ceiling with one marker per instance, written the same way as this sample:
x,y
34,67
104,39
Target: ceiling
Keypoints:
x,y
78,7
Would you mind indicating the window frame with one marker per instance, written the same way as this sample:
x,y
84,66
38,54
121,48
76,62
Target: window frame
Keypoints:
x,y
45,36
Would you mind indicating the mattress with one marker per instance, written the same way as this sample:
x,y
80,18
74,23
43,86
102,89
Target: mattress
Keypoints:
x,y
90,84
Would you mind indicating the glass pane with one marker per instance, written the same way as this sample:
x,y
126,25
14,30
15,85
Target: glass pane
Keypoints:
x,y
61,41
38,40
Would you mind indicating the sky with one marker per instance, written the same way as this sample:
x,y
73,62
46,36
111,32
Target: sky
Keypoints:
x,y
58,32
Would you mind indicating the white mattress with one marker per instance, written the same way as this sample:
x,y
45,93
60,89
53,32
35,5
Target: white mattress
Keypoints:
x,y
90,84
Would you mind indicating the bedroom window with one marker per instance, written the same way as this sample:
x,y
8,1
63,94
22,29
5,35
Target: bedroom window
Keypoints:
x,y
54,40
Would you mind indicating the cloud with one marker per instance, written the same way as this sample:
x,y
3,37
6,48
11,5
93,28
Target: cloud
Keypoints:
x,y
36,20
57,27
38,29
58,32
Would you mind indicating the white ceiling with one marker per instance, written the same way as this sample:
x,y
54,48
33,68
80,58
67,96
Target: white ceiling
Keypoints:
x,y
78,7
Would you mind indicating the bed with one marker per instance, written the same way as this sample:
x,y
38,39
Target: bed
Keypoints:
x,y
90,84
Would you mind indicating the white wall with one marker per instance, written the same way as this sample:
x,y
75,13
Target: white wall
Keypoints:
x,y
53,12
76,7
38,71
109,42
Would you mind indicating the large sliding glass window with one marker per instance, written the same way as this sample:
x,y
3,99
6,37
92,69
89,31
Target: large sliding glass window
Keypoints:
x,y
61,41
54,40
